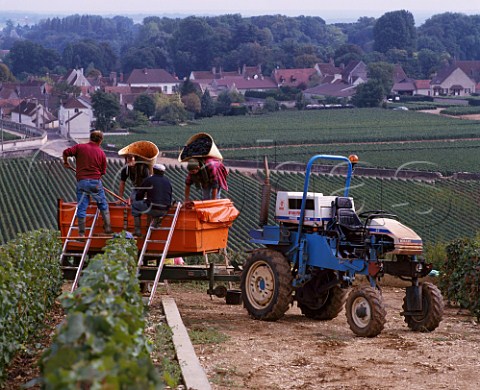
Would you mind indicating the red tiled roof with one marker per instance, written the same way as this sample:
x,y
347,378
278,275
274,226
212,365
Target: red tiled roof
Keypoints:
x,y
422,84
293,77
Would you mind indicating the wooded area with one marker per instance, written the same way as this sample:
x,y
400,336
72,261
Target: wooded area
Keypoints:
x,y
181,45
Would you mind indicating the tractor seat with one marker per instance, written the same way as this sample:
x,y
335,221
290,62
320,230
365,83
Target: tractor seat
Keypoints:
x,y
348,222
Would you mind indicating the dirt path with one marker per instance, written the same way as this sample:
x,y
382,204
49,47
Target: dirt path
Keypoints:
x,y
298,353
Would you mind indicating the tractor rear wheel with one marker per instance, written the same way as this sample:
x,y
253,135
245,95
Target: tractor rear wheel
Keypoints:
x,y
266,285
432,310
321,306
365,311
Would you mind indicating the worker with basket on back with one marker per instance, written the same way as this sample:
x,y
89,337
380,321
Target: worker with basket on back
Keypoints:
x,y
205,167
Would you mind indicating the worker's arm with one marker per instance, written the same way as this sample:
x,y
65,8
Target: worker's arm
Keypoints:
x,y
121,188
187,193
66,164
69,152
121,191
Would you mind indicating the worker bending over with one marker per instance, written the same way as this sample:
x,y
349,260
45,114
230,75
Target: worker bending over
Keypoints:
x,y
209,175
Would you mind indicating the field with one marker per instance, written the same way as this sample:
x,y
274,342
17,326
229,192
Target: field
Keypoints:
x,y
382,138
446,156
304,127
439,211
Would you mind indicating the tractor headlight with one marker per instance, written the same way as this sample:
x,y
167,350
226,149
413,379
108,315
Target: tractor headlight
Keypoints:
x,y
419,267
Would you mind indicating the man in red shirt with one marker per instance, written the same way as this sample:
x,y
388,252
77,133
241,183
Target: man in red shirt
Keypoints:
x,y
91,165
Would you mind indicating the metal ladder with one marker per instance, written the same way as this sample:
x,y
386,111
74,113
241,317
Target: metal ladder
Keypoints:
x,y
164,253
87,239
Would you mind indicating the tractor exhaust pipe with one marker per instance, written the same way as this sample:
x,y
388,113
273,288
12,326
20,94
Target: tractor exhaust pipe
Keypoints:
x,y
266,190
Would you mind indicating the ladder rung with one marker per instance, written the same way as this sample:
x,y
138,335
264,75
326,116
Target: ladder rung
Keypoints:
x,y
161,228
157,241
72,254
154,254
76,239
68,267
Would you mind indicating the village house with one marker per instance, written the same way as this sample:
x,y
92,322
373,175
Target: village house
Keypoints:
x,y
75,117
459,79
148,78
338,82
32,113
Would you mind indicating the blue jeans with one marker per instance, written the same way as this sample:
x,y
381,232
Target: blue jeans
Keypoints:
x,y
207,193
87,188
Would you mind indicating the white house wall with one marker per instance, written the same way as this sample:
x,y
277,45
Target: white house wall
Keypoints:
x,y
74,126
458,77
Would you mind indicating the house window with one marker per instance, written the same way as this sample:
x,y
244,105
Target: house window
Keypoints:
x,y
76,110
165,89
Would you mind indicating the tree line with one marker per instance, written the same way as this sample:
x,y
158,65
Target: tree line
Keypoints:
x,y
230,41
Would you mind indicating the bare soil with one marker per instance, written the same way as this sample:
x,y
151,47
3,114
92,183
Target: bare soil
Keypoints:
x,y
24,367
299,353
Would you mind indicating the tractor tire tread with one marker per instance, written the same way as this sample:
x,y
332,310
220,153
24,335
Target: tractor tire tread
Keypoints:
x,y
377,323
331,309
277,309
433,317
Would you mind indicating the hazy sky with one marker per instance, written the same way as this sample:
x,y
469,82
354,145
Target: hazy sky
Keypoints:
x,y
336,9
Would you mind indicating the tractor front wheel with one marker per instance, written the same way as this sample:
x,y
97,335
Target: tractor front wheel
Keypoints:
x,y
266,285
365,311
432,310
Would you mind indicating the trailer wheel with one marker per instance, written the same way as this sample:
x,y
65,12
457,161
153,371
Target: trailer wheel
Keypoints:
x,y
432,313
266,285
365,311
322,306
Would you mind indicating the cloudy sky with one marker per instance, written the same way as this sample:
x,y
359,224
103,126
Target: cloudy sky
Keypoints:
x,y
328,10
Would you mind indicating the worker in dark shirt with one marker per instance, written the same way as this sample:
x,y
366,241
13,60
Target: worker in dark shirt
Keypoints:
x,y
91,165
137,171
153,197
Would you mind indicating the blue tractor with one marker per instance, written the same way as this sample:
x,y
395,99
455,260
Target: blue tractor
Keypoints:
x,y
316,249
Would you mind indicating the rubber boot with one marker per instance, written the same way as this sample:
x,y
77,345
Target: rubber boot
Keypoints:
x,y
107,228
138,231
81,227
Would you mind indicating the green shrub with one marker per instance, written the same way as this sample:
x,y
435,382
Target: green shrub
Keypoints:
x,y
30,280
435,253
460,275
461,110
101,343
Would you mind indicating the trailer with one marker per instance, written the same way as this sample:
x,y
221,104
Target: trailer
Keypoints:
x,y
199,228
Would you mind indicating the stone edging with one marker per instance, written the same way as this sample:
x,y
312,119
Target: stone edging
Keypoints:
x,y
193,373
